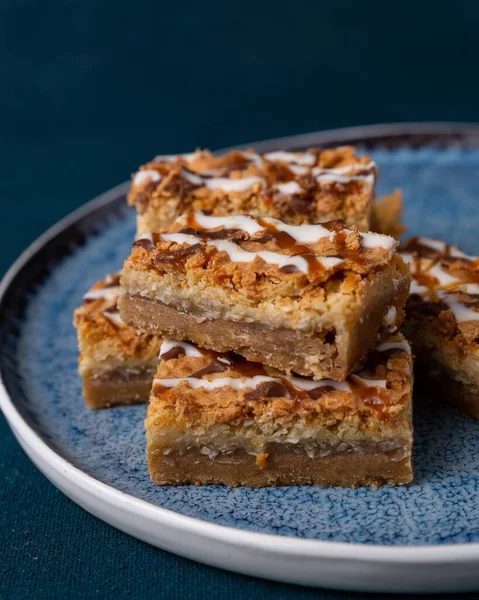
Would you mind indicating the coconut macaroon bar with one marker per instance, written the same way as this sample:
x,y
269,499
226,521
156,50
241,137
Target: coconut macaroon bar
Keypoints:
x,y
443,320
116,363
313,186
309,299
216,418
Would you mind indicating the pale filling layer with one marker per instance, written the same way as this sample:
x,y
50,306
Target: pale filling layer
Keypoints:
x,y
196,297
255,436
396,448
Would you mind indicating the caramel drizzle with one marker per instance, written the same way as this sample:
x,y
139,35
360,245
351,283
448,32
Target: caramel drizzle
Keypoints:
x,y
111,312
289,245
453,291
262,231
278,166
372,392
112,280
148,243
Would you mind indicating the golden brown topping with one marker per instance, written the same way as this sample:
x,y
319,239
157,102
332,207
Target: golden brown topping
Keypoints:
x,y
378,389
289,185
243,247
446,280
100,326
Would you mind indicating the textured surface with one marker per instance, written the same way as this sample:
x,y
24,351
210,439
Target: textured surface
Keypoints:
x,y
82,101
440,507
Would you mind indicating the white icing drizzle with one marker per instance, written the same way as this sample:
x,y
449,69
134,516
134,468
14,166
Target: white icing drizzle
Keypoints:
x,y
470,288
308,384
407,257
193,178
235,383
178,238
238,254
234,222
460,311
254,158
437,245
303,234
108,293
449,285
233,185
441,246
378,240
442,276
146,236
188,349
381,383
147,175
390,316
114,317
369,179
306,158
292,187
238,383
340,174
418,289
425,266
222,183
298,169
300,164
300,383
347,169
398,345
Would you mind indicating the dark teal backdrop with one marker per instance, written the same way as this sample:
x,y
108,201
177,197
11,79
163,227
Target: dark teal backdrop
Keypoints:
x,y
89,89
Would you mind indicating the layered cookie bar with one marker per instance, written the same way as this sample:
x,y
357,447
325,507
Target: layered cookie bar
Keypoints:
x,y
216,418
116,362
313,186
443,321
310,299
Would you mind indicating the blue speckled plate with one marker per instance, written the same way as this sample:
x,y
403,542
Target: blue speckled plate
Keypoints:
x,y
358,539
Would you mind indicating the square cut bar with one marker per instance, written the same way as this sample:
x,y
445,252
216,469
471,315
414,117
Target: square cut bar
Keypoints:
x,y
116,363
443,321
313,186
310,299
218,419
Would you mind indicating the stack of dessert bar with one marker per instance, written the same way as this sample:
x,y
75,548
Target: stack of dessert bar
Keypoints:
x,y
261,318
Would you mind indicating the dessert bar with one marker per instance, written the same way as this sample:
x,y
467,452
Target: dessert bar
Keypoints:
x,y
116,363
313,186
216,418
310,299
443,321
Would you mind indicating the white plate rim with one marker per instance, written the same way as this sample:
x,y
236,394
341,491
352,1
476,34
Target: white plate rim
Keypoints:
x,y
389,567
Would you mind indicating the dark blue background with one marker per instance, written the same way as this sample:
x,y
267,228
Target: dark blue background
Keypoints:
x,y
89,89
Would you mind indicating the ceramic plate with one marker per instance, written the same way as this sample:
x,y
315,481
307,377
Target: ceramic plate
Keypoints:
x,y
424,537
